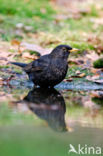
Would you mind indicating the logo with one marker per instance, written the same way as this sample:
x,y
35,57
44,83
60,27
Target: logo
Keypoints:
x,y
84,149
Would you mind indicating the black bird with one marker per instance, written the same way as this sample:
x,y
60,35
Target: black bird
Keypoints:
x,y
49,105
48,70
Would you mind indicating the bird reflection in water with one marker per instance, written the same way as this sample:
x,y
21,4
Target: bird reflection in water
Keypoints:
x,y
49,105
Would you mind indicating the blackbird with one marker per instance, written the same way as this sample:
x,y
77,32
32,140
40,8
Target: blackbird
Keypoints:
x,y
49,70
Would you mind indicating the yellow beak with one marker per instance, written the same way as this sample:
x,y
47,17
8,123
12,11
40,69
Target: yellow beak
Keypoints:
x,y
73,50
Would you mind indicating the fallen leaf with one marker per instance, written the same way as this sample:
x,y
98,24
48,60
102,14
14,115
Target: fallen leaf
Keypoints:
x,y
78,75
68,80
15,42
77,61
19,25
28,28
95,78
98,94
93,70
1,81
96,71
82,75
78,72
99,81
99,48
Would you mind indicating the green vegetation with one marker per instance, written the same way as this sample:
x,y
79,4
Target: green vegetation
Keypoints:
x,y
98,101
24,8
98,63
4,66
29,13
19,18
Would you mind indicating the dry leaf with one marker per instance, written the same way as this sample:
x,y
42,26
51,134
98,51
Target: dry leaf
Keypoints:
x,y
68,80
82,75
1,81
96,71
19,25
77,61
95,78
78,72
15,42
78,76
99,48
98,94
93,70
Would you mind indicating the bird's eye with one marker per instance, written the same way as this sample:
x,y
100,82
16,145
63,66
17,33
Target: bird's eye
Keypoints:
x,y
64,49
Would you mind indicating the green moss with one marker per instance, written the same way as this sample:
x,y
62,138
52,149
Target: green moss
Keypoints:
x,y
34,53
81,45
98,63
98,101
4,66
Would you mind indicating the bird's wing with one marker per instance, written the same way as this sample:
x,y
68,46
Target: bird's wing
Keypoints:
x,y
37,65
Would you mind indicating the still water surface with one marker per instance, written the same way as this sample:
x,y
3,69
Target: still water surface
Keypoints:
x,y
42,122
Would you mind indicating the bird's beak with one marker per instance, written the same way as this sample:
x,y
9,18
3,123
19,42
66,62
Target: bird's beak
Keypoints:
x,y
73,50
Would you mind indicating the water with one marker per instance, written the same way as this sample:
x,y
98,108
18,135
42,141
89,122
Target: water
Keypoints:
x,y
42,122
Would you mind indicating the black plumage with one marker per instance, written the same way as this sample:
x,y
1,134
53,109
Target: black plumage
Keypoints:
x,y
48,70
49,105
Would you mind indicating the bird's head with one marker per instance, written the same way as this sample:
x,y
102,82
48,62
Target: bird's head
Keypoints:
x,y
63,51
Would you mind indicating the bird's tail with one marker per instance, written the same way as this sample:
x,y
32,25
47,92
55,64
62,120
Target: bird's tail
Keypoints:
x,y
19,64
